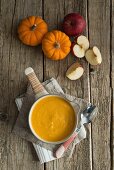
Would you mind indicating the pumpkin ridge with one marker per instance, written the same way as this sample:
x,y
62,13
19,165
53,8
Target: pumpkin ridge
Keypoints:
x,y
59,36
38,31
21,26
62,45
56,37
23,36
49,50
45,52
30,18
23,31
41,30
66,50
33,42
27,36
47,41
29,21
66,45
53,35
30,38
54,54
36,36
41,35
36,19
39,23
25,21
64,53
61,55
64,39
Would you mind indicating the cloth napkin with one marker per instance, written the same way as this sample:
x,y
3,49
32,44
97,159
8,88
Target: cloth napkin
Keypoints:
x,y
21,128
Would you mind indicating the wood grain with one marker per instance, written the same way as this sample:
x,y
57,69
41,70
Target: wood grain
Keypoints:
x,y
112,42
112,81
14,58
99,35
15,153
80,88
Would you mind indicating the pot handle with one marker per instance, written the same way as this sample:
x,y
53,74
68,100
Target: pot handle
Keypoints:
x,y
35,83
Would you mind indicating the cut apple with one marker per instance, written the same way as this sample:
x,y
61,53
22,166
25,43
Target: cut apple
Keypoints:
x,y
83,42
81,46
78,51
75,71
93,56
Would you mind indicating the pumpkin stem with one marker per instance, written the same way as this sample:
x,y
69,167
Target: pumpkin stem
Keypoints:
x,y
33,27
57,45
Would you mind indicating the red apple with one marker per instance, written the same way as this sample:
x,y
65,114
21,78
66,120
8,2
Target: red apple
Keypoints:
x,y
73,24
72,45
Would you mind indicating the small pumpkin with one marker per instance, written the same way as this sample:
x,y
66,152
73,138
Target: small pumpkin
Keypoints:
x,y
56,45
31,30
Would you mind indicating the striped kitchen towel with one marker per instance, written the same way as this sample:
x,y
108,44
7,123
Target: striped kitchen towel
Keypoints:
x,y
45,152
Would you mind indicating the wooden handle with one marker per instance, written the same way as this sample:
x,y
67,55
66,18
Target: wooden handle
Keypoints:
x,y
60,151
35,83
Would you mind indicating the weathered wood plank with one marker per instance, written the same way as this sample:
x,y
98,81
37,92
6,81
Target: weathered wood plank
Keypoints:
x,y
112,43
112,83
54,12
15,153
99,34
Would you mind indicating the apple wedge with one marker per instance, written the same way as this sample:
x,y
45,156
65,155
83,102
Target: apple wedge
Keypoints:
x,y
81,46
78,51
75,71
93,56
83,42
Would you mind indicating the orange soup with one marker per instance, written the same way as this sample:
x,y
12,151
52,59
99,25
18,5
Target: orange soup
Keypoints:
x,y
53,119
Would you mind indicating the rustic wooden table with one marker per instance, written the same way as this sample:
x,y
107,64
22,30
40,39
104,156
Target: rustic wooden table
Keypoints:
x,y
95,152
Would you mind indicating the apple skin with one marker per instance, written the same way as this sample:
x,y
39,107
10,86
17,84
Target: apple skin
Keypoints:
x,y
74,24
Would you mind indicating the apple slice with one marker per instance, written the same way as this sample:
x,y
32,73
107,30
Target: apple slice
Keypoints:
x,y
83,42
78,51
81,46
75,71
93,56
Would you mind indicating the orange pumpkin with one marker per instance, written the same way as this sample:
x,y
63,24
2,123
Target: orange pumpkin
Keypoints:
x,y
56,45
31,30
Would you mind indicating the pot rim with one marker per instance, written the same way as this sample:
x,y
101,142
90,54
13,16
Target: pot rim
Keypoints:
x,y
76,116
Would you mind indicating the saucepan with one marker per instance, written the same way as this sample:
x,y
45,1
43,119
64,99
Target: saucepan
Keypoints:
x,y
40,94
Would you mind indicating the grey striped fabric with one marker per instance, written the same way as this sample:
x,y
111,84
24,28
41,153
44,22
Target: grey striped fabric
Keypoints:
x,y
44,151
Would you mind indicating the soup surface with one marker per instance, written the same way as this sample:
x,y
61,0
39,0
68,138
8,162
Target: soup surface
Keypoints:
x,y
53,119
